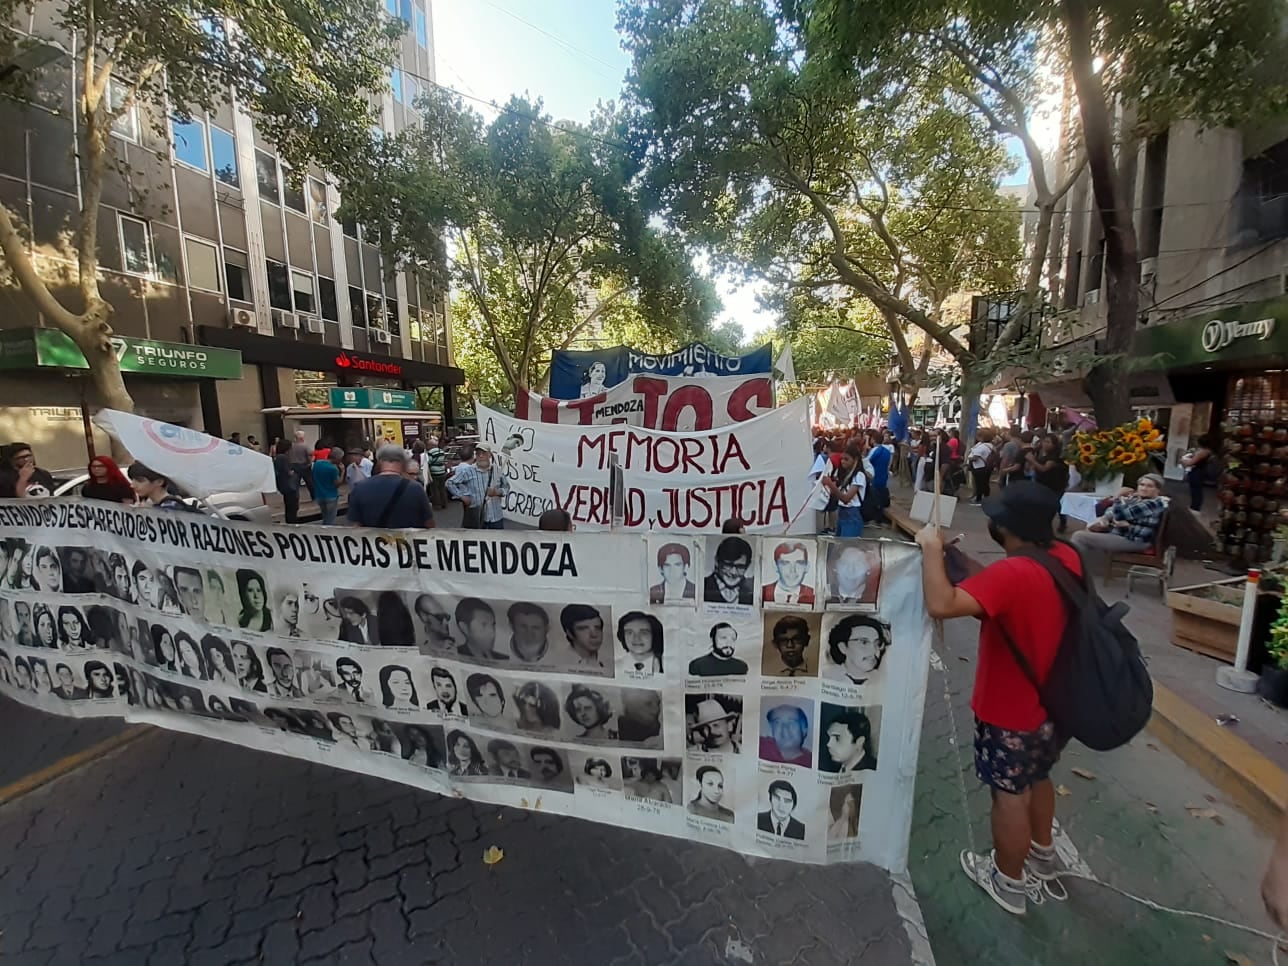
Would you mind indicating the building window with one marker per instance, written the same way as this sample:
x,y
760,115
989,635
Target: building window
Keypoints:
x,y
223,153
237,275
396,83
1263,196
302,289
203,264
391,317
375,311
404,11
189,142
266,177
422,28
391,7
136,245
357,306
327,306
350,227
279,285
317,202
292,194
127,125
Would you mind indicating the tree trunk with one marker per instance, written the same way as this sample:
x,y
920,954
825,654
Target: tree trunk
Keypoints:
x,y
972,388
1105,383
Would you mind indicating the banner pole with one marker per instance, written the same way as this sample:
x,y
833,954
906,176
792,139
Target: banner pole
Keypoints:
x,y
935,512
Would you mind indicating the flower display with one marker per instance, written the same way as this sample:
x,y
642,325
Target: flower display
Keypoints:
x,y
1107,452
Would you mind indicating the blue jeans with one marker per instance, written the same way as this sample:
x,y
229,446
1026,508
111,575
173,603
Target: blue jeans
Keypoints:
x,y
328,508
494,524
849,521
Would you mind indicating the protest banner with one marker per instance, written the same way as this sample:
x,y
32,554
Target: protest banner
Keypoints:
x,y
757,471
683,404
759,694
582,373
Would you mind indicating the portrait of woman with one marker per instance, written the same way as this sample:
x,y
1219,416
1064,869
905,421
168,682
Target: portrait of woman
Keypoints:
x,y
591,712
538,708
41,682
21,673
385,739
597,773
706,803
649,785
254,613
99,678
46,629
163,655
189,657
47,571
463,756
397,690
219,660
121,587
844,809
248,667
103,628
419,747
71,629
640,635
593,379
394,625
122,677
346,730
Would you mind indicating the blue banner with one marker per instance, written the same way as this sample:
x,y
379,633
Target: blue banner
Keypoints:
x,y
582,373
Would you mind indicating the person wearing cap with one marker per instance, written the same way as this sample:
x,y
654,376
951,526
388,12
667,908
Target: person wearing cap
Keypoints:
x,y
714,728
359,467
1017,603
388,499
1130,523
480,488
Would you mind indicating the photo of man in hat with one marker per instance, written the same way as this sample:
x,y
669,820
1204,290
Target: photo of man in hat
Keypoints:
x,y
714,722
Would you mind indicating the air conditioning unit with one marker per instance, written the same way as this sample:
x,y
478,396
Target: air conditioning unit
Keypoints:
x,y
313,324
380,335
243,317
1092,298
1148,270
285,320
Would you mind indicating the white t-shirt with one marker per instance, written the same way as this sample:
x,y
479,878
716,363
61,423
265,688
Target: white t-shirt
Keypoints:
x,y
979,454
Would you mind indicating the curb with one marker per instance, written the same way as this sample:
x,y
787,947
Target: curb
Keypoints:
x,y
65,766
1256,784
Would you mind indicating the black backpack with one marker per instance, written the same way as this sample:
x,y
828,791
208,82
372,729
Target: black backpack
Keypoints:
x,y
1098,689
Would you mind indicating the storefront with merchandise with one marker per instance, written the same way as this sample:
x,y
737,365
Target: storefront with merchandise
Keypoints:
x,y
46,389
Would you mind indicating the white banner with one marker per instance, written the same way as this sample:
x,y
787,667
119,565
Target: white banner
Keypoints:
x,y
199,464
672,403
759,694
757,471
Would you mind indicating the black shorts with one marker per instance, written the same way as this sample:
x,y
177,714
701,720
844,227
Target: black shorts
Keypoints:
x,y
1013,761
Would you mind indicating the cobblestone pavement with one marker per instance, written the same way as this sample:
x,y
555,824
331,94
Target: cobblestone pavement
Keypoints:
x,y
43,740
1132,824
183,850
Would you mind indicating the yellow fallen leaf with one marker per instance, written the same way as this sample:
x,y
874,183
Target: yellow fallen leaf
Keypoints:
x,y
1084,773
1238,959
493,855
1209,813
1062,791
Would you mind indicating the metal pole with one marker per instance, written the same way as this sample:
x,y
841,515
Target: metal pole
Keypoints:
x,y
1239,678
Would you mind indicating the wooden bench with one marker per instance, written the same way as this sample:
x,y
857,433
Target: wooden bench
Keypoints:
x,y
901,521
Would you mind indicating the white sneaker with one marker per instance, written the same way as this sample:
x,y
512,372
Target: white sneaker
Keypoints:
x,y
983,871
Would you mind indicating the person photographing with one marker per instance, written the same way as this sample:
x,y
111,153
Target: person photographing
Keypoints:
x,y
480,487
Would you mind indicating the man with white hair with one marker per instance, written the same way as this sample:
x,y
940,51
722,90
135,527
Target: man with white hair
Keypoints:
x,y
301,460
389,499
480,488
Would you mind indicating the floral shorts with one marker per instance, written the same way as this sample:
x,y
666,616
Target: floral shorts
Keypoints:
x,y
1012,761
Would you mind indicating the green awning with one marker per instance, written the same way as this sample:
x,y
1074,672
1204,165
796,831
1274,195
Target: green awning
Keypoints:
x,y
1231,333
53,349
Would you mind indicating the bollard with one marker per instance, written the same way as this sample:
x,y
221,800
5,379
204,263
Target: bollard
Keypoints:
x,y
1239,678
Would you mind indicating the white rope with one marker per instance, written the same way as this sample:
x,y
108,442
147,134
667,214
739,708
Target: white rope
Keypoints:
x,y
938,663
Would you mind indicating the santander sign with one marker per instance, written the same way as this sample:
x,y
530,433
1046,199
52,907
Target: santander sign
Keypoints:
x,y
349,360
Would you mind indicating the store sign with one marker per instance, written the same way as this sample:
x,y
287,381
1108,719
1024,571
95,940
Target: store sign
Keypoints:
x,y
360,398
26,348
1217,334
352,361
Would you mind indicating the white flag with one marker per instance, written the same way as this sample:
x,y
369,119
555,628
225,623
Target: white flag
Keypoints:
x,y
785,367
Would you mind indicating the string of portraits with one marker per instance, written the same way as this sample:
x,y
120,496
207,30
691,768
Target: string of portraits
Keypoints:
x,y
620,692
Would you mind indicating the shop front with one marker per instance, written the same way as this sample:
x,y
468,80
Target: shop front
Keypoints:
x,y
46,389
363,418
270,391
1229,366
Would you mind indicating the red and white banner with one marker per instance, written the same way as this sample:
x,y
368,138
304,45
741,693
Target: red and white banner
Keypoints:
x,y
676,404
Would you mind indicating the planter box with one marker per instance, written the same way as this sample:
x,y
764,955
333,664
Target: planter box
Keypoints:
x,y
1205,617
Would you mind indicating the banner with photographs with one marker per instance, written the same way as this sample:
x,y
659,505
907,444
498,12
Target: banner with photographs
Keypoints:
x,y
645,479
583,373
682,404
762,694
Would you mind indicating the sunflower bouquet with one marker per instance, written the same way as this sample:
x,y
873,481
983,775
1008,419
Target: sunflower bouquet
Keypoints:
x,y
1104,453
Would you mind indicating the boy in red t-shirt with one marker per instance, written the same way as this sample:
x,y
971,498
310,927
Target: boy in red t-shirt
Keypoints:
x,y
1016,744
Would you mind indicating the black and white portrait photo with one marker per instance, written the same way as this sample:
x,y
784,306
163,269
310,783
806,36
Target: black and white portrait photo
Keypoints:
x,y
596,772
549,768
423,745
720,659
608,714
780,800
42,681
536,708
487,698
104,627
398,689
248,667
447,697
788,573
849,739
65,683
730,579
641,640
464,759
853,574
190,588
374,618
222,605
283,681
73,634
856,645
83,570
672,565
652,779
385,739
433,617
46,570
529,628
188,656
709,793
315,674
357,619
163,654
254,612
843,812
476,629
591,713
583,631
352,686
352,732
504,760
714,723
791,645
219,661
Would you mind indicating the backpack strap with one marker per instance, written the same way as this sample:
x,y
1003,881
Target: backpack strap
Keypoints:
x,y
393,502
1020,659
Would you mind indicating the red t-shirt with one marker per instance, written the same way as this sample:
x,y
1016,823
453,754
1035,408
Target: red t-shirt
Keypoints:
x,y
1018,594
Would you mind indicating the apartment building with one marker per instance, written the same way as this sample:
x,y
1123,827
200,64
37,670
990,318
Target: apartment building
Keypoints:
x,y
235,288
